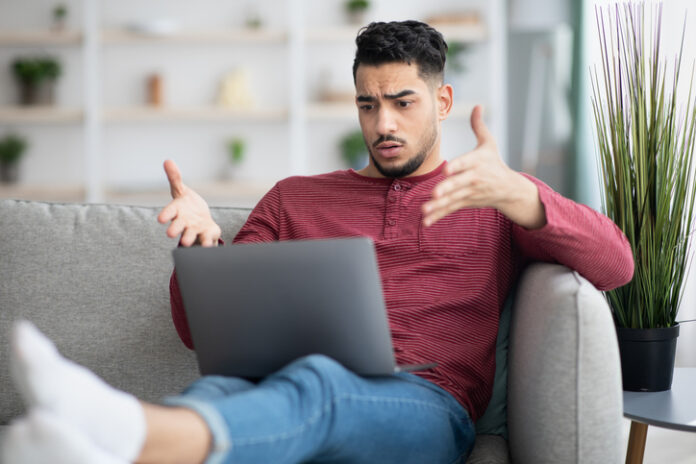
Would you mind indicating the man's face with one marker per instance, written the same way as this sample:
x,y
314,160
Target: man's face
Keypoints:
x,y
399,119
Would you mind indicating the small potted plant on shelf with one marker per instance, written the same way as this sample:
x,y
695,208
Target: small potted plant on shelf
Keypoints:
x,y
12,147
455,57
356,10
646,149
60,15
236,148
353,150
36,77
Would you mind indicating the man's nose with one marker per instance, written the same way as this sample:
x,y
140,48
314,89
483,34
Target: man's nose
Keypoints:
x,y
386,121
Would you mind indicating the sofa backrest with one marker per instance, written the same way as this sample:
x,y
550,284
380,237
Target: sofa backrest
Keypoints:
x,y
95,279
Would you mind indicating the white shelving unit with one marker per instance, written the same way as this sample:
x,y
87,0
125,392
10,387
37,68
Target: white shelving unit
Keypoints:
x,y
95,117
40,38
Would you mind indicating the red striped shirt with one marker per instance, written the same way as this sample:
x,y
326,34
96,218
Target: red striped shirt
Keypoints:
x,y
444,285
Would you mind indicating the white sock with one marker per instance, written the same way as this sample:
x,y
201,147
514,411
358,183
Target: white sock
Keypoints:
x,y
112,419
41,437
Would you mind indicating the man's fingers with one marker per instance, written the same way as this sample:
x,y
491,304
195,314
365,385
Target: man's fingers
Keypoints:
x,y
176,228
483,135
176,185
457,196
168,213
209,240
454,183
437,214
465,162
189,237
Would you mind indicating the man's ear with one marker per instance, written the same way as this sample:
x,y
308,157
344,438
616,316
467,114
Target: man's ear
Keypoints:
x,y
444,95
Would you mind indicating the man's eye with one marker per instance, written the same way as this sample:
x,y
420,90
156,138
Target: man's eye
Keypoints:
x,y
366,107
404,104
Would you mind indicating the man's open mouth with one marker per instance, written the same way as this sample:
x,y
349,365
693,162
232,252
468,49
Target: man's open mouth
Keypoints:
x,y
389,149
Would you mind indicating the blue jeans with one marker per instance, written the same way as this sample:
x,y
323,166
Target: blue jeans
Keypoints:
x,y
315,410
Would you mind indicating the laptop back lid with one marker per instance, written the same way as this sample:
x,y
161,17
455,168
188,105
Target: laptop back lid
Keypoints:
x,y
253,308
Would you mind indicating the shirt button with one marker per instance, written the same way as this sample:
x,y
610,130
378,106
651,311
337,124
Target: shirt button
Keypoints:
x,y
397,187
391,222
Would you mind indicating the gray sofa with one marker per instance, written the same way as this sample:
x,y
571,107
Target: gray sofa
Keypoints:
x,y
95,279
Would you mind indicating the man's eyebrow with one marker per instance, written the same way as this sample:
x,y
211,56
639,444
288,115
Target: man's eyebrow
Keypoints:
x,y
370,98
403,93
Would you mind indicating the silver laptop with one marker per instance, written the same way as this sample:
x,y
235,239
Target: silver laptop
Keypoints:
x,y
254,308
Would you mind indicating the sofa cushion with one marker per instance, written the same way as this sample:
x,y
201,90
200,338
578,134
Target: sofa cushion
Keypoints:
x,y
95,279
494,419
489,449
564,391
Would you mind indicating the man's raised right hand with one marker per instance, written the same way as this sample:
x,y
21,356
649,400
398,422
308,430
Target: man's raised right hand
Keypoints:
x,y
188,212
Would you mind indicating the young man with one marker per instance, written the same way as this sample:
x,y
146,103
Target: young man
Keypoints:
x,y
451,238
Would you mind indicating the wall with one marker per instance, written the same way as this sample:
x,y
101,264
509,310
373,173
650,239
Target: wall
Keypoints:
x,y
132,151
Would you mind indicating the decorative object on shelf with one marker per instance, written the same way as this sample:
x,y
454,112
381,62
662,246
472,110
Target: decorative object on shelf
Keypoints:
x,y
253,19
155,27
12,147
60,15
234,90
356,10
36,77
236,149
155,90
646,149
327,91
353,149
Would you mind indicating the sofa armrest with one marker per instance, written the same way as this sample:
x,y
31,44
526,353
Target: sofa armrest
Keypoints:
x,y
564,388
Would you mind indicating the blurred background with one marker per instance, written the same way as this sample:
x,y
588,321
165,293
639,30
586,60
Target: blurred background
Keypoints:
x,y
96,94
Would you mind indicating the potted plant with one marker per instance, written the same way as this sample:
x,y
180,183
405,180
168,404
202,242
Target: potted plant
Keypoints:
x,y
646,138
356,10
454,60
12,148
36,77
60,14
236,148
353,150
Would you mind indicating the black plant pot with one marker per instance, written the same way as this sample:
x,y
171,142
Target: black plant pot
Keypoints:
x,y
37,93
647,357
9,172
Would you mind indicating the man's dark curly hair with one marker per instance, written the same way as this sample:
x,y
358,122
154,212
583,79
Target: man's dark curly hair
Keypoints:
x,y
405,42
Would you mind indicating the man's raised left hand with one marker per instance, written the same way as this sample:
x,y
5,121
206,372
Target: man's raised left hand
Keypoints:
x,y
480,179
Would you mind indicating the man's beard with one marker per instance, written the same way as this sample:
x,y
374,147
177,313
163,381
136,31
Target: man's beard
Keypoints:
x,y
412,164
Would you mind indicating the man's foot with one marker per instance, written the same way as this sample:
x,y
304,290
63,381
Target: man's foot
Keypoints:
x,y
111,419
41,437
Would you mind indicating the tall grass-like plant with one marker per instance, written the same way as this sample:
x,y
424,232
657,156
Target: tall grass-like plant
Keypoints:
x,y
646,137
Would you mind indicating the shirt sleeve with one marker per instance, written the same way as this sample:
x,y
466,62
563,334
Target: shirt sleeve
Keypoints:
x,y
261,226
579,237
178,314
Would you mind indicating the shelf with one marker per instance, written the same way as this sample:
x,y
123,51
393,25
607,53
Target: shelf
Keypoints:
x,y
469,32
238,193
40,114
127,37
333,111
40,37
348,111
207,114
58,193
